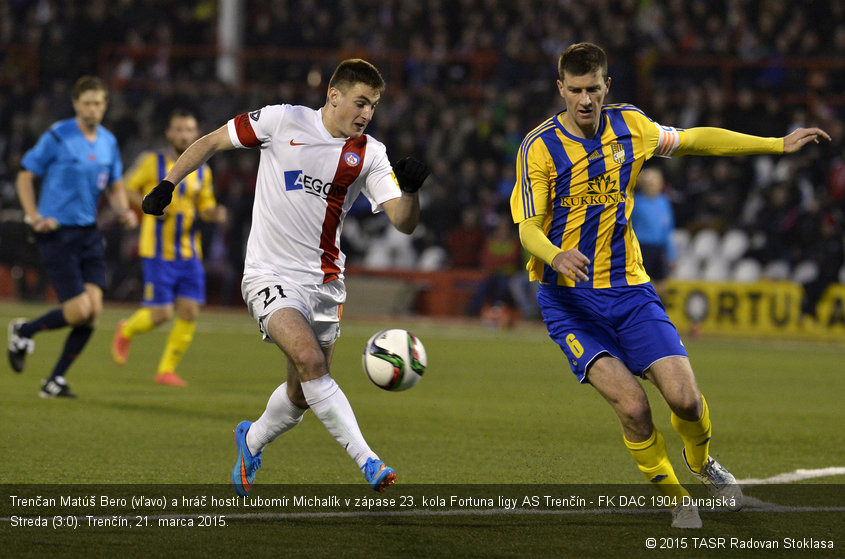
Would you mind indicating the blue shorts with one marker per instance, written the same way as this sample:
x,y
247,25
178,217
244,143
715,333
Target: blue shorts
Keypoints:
x,y
72,257
628,323
166,280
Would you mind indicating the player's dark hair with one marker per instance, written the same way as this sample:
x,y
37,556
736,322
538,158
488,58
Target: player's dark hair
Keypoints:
x,y
179,112
354,70
582,58
88,83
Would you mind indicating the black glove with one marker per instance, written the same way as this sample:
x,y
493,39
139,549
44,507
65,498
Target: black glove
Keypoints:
x,y
155,202
410,173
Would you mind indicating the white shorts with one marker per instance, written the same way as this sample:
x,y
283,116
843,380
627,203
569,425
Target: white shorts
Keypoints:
x,y
321,305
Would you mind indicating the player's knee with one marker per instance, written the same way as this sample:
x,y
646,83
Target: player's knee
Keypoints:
x,y
310,365
299,402
186,310
296,396
95,310
636,415
80,311
161,314
687,405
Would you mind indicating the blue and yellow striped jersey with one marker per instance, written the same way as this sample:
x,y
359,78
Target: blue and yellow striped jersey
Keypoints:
x,y
583,187
175,236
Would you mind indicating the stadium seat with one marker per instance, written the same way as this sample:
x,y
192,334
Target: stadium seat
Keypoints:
x,y
734,244
716,268
805,272
776,270
686,268
681,240
705,243
433,258
747,270
392,249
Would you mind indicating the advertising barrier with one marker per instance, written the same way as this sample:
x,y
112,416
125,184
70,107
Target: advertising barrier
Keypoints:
x,y
766,308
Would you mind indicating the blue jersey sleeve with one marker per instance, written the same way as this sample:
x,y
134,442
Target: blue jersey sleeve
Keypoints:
x,y
42,154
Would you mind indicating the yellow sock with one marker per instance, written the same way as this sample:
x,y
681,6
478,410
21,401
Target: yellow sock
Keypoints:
x,y
141,321
654,463
696,436
177,344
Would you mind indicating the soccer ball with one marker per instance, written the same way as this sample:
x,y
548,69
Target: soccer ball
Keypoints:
x,y
394,359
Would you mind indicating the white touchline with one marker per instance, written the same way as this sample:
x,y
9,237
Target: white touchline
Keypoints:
x,y
798,475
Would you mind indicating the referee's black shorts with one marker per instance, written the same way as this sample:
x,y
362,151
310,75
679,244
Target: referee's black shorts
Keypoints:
x,y
72,257
655,261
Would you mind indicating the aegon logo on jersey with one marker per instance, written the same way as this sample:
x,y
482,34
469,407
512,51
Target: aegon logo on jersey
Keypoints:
x,y
297,180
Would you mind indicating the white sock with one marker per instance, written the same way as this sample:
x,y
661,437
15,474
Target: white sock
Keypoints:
x,y
329,403
280,415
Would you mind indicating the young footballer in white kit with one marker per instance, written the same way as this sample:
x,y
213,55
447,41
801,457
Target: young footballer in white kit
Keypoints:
x,y
313,165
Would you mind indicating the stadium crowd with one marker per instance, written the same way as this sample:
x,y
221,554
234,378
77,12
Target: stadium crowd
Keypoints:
x,y
466,81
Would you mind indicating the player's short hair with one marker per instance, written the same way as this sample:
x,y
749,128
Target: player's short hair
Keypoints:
x,y
88,83
582,58
355,70
180,112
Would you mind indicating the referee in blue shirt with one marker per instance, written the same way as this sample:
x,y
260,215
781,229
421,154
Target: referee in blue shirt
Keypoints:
x,y
77,159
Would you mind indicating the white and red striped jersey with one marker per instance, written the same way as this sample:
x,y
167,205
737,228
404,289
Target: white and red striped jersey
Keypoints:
x,y
307,181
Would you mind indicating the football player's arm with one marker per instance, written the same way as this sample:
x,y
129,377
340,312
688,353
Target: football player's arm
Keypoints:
x,y
528,207
719,141
119,202
143,173
207,207
403,212
35,163
25,184
571,263
198,153
216,214
134,198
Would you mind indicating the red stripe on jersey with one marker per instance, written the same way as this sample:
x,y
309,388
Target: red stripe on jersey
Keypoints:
x,y
352,152
246,135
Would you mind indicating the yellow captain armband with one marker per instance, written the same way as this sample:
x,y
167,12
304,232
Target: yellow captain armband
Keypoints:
x,y
535,241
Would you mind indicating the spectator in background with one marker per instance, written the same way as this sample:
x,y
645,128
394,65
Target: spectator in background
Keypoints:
x,y
828,253
501,257
464,243
653,221
443,122
524,291
776,222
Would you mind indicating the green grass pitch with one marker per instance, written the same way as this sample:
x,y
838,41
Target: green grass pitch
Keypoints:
x,y
495,407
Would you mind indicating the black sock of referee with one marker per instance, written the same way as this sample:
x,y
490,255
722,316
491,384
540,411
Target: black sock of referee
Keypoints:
x,y
52,320
74,343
